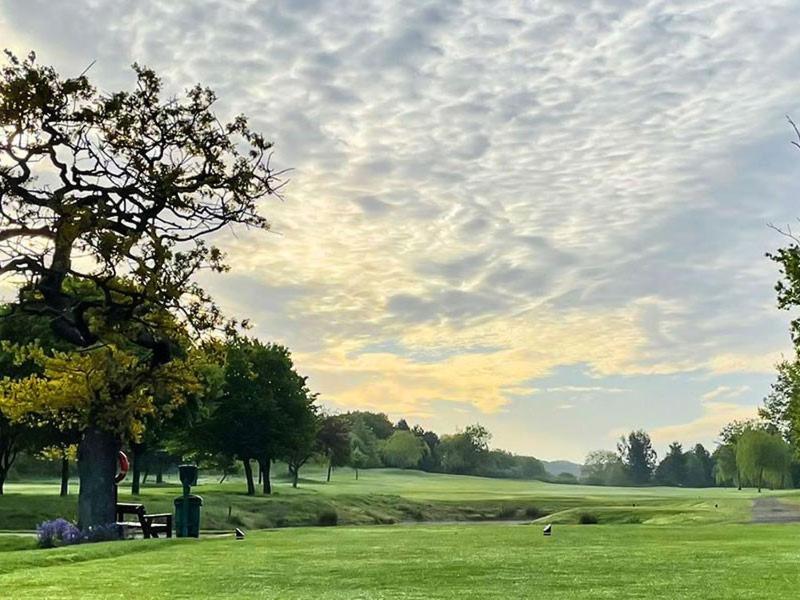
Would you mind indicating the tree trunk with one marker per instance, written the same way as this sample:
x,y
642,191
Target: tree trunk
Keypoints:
x,y
2,480
64,475
248,475
160,472
760,476
295,476
330,468
224,477
263,469
97,467
138,458
738,480
356,474
260,473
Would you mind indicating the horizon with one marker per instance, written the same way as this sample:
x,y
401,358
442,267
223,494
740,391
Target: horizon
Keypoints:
x,y
552,222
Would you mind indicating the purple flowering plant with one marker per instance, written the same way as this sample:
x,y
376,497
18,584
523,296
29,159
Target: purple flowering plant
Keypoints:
x,y
58,532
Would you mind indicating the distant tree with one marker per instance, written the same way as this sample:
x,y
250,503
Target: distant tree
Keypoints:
x,y
363,446
402,426
379,423
726,471
404,450
759,453
730,435
432,461
333,441
672,469
637,454
603,467
463,452
699,467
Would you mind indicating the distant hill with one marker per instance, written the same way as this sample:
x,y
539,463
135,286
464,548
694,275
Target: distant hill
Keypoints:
x,y
556,467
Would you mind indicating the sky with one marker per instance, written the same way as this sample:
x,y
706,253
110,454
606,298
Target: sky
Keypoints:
x,y
547,217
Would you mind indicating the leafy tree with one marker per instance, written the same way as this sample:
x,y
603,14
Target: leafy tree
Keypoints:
x,y
699,467
379,423
672,469
603,467
333,440
462,452
301,422
726,471
404,450
431,461
363,445
265,410
781,408
637,454
402,426
759,452
134,184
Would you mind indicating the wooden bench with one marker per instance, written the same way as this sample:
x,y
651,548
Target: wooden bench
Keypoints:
x,y
151,524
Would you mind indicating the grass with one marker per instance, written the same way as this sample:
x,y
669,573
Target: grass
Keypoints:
x,y
385,496
455,561
648,543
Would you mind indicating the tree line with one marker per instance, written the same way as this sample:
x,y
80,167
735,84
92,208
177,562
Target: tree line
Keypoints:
x,y
246,408
749,454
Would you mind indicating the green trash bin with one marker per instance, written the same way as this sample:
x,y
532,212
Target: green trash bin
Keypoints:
x,y
193,528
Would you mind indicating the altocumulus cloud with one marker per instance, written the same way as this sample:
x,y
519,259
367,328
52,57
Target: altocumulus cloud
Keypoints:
x,y
556,182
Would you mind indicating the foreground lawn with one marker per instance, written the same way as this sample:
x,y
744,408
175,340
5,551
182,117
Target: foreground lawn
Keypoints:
x,y
423,561
384,496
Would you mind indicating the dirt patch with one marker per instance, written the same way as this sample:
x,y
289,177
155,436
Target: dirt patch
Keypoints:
x,y
772,510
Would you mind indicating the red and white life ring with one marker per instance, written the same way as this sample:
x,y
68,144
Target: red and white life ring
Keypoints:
x,y
124,465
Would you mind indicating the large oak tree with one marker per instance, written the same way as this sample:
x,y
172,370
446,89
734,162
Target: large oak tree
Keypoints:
x,y
117,193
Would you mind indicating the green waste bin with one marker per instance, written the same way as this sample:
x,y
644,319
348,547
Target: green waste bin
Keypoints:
x,y
193,529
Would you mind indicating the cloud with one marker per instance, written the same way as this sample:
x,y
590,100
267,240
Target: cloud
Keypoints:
x,y
725,391
554,184
704,428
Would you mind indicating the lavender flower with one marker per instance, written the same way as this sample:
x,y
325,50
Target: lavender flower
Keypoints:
x,y
58,532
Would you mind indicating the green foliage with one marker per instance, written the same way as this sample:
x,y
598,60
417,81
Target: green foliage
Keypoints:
x,y
760,454
333,441
726,471
588,519
403,449
637,454
264,410
603,467
672,469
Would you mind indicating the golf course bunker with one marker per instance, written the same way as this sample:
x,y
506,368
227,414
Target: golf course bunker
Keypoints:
x,y
772,510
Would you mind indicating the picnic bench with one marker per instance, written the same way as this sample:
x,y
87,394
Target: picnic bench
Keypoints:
x,y
151,524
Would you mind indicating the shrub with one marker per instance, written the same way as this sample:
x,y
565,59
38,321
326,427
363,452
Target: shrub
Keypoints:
x,y
328,518
588,519
533,512
58,532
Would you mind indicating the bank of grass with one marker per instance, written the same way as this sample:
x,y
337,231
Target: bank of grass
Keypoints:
x,y
385,496
491,561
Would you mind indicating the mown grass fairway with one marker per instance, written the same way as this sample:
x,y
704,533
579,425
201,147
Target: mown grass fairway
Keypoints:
x,y
651,543
453,561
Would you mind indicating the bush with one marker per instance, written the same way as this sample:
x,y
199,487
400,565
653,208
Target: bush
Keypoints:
x,y
588,519
533,512
328,518
58,532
